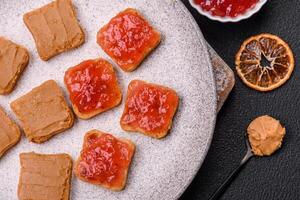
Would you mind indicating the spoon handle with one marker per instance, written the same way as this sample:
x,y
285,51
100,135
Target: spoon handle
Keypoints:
x,y
218,193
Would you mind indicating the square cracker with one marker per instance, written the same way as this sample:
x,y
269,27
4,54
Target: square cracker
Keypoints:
x,y
13,60
43,112
149,109
138,39
105,93
45,176
55,28
113,184
9,132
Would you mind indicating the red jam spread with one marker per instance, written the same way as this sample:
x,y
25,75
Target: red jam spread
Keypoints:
x,y
128,38
149,107
93,86
104,160
229,8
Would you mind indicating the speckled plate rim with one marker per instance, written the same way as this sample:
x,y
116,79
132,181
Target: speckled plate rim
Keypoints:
x,y
209,139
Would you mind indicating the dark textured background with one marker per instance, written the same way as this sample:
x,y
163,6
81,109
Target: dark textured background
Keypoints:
x,y
270,178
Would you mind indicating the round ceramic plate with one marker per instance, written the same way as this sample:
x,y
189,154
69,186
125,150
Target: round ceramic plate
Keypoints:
x,y
161,169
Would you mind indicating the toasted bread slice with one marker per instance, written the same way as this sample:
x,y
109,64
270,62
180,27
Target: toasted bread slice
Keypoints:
x,y
85,115
149,109
45,176
13,60
10,133
97,85
137,40
54,28
116,184
43,112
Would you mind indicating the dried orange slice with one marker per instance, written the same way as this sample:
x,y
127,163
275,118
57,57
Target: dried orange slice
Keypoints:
x,y
264,62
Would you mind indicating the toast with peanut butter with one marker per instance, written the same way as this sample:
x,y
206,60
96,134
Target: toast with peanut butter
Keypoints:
x,y
13,60
9,133
45,176
54,28
43,112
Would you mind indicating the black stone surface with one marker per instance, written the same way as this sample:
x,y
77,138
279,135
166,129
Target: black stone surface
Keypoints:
x,y
269,178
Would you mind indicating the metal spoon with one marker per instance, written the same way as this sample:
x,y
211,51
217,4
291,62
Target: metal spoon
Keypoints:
x,y
218,193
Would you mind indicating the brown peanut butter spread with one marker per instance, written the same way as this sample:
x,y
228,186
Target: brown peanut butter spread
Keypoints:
x,y
13,60
55,28
45,176
265,135
43,112
9,132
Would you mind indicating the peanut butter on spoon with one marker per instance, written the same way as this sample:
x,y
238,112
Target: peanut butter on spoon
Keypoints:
x,y
265,135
